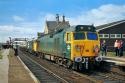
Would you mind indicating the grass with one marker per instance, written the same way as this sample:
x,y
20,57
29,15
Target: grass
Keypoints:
x,y
1,55
112,54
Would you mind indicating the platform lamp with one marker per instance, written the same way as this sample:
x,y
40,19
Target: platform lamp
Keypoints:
x,y
10,40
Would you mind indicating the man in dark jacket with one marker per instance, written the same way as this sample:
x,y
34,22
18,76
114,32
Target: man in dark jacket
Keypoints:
x,y
16,49
103,48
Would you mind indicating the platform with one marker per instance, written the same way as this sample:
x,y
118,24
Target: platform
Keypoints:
x,y
117,60
17,72
4,66
14,71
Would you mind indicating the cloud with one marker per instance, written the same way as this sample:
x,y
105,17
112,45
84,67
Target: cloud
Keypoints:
x,y
103,14
6,28
98,16
49,16
17,18
22,28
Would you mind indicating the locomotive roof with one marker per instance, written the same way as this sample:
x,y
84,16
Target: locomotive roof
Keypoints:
x,y
77,28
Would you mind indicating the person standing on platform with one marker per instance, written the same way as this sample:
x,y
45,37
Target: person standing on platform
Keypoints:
x,y
116,47
103,48
120,47
16,49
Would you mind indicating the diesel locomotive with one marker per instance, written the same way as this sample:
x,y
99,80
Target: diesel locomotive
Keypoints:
x,y
75,47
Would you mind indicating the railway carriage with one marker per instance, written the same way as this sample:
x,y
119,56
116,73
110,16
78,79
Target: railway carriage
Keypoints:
x,y
75,46
30,46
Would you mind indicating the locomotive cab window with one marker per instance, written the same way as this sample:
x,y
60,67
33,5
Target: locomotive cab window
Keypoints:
x,y
68,37
92,36
79,36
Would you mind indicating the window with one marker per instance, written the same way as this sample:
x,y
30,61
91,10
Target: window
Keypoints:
x,y
103,35
68,37
118,35
106,35
123,35
92,36
115,35
79,36
112,36
100,35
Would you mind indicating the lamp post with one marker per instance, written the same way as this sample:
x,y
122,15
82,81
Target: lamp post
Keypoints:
x,y
10,40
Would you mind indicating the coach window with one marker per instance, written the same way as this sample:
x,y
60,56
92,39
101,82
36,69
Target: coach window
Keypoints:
x,y
68,37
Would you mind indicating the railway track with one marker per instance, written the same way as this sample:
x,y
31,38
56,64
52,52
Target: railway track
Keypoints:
x,y
95,76
42,74
108,77
108,73
68,75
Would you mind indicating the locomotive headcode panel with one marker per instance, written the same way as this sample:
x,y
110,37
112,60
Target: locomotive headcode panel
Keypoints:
x,y
90,28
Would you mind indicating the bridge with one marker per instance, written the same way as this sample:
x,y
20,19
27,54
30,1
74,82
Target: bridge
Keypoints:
x,y
19,41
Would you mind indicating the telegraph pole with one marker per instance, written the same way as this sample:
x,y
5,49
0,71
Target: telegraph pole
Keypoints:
x,y
10,40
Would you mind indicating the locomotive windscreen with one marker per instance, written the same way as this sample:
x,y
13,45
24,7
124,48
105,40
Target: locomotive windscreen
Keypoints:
x,y
79,36
85,28
92,36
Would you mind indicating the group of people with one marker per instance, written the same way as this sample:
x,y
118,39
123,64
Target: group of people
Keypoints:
x,y
118,45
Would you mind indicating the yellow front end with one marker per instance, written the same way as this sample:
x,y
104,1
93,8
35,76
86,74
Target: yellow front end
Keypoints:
x,y
35,46
84,48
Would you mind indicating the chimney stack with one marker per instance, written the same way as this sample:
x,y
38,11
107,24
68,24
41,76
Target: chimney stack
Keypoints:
x,y
63,18
57,18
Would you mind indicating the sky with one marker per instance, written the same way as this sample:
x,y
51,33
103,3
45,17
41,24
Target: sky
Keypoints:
x,y
24,18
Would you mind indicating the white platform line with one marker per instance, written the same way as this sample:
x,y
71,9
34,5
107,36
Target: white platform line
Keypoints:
x,y
116,62
30,73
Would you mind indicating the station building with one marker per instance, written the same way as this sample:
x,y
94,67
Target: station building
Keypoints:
x,y
111,32
51,26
